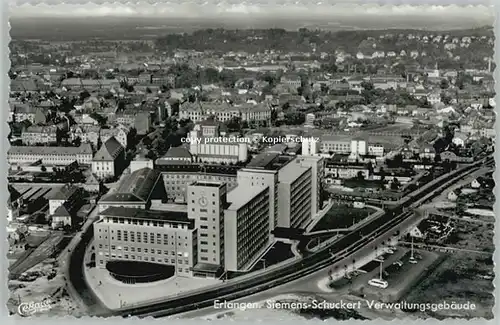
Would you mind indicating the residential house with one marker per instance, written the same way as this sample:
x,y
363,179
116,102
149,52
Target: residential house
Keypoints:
x,y
67,193
39,135
22,111
291,80
434,98
427,151
459,139
120,133
65,215
109,160
87,133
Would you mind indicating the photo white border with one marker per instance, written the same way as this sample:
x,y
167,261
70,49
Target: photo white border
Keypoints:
x,y
4,84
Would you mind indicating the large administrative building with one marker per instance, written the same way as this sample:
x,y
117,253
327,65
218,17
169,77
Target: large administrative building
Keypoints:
x,y
145,235
224,226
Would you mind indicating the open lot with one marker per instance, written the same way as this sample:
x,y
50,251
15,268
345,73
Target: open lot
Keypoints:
x,y
400,278
461,277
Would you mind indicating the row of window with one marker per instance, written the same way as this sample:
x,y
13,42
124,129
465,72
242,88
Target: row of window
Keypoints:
x,y
145,241
149,223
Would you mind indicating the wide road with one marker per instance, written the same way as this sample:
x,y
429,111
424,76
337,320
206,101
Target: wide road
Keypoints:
x,y
341,250
73,258
309,283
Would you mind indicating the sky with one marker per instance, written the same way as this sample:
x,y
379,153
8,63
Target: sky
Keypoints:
x,y
248,10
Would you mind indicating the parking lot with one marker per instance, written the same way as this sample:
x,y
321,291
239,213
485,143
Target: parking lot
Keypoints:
x,y
397,271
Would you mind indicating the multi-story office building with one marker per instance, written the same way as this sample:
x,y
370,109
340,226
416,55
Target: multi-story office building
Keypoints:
x,y
359,147
178,175
149,236
317,165
206,204
257,178
246,226
217,150
294,195
335,144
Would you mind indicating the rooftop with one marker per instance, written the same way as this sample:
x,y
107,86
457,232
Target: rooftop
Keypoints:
x,y
241,195
186,167
208,184
140,186
263,160
83,149
177,152
291,172
109,150
65,192
172,216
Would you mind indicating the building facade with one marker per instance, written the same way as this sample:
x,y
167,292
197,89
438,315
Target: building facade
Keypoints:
x,y
254,177
149,236
294,195
50,155
246,226
206,204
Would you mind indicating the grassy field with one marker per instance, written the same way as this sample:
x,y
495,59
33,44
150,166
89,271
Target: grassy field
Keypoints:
x,y
342,216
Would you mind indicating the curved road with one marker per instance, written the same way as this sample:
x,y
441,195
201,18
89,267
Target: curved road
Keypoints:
x,y
395,220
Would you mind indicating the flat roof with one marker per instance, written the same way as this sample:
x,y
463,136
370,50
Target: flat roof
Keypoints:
x,y
269,160
187,167
241,195
292,171
208,184
205,267
133,213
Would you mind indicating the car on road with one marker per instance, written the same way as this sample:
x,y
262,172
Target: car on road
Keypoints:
x,y
398,263
389,251
379,283
412,260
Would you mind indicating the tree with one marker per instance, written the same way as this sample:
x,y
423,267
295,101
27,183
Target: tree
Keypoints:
x,y
367,85
395,184
444,84
99,118
84,95
77,141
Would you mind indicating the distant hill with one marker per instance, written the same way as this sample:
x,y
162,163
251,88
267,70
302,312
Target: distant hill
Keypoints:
x,y
119,28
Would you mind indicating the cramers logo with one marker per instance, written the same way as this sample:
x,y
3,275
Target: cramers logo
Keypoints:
x,y
26,309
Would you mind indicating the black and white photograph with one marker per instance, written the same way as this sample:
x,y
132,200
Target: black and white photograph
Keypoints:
x,y
261,162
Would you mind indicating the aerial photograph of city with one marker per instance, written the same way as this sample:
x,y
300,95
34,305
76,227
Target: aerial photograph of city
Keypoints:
x,y
251,162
